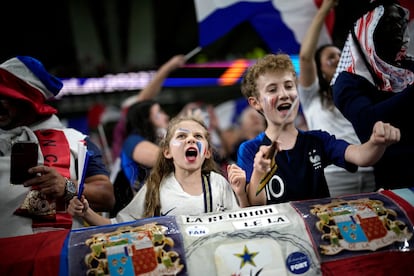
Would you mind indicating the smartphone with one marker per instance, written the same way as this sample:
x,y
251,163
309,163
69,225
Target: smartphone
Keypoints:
x,y
23,157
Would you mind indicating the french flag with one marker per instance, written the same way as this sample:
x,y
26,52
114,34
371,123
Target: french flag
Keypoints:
x,y
281,24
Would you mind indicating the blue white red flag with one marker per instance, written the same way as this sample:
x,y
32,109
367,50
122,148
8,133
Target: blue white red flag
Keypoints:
x,y
281,24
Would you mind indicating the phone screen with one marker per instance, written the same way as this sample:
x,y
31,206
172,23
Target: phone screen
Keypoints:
x,y
23,157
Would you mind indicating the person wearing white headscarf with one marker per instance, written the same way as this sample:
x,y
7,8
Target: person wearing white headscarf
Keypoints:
x,y
374,81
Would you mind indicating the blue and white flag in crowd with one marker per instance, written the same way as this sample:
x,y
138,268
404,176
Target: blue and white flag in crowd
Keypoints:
x,y
281,24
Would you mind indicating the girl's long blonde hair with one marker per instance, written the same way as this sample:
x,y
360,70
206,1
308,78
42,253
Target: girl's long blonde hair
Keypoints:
x,y
163,166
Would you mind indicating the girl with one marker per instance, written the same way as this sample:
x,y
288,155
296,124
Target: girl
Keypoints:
x,y
184,180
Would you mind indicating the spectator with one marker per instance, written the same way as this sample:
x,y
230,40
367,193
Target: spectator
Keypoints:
x,y
101,120
374,81
317,67
145,125
296,171
184,180
25,85
139,152
251,123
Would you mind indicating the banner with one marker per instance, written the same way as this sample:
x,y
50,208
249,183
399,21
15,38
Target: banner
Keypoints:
x,y
145,247
350,235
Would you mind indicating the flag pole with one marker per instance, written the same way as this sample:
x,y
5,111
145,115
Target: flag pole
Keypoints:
x,y
192,53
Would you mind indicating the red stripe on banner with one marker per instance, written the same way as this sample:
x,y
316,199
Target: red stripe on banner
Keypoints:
x,y
390,263
37,254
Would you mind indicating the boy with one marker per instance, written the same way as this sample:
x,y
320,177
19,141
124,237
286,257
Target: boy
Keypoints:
x,y
295,172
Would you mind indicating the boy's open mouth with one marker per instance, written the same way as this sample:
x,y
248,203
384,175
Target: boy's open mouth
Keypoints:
x,y
285,106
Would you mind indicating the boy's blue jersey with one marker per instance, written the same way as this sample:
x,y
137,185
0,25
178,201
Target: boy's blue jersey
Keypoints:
x,y
300,170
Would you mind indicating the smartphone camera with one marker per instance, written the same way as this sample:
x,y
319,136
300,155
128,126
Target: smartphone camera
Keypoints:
x,y
23,157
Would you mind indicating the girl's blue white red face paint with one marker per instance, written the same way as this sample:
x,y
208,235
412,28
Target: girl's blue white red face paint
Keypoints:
x,y
201,148
177,141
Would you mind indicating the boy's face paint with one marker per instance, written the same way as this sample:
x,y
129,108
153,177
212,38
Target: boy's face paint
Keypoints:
x,y
269,102
276,91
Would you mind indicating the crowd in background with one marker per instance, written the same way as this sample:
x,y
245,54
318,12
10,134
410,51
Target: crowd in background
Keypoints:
x,y
273,144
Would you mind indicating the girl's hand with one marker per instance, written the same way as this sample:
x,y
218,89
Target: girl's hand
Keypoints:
x,y
237,179
78,208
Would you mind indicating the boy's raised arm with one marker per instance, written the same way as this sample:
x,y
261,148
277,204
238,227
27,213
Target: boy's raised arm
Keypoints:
x,y
368,153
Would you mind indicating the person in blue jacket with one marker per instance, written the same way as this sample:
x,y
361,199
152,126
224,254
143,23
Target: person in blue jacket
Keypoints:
x,y
374,81
284,163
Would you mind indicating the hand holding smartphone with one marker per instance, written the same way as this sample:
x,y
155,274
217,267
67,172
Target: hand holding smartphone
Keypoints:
x,y
23,157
